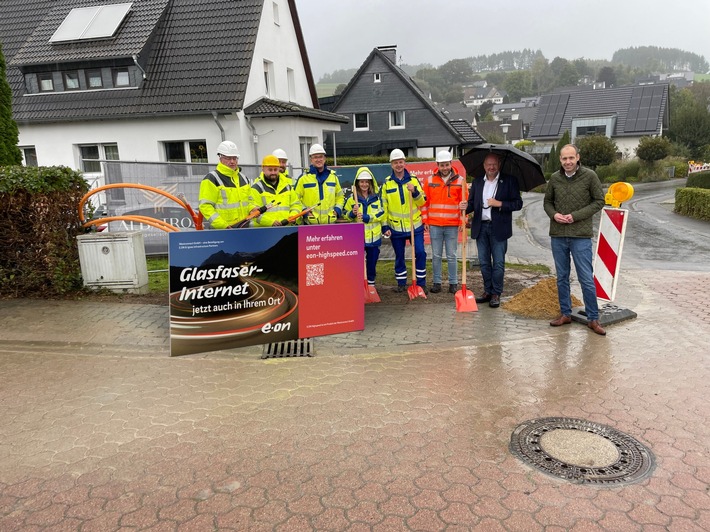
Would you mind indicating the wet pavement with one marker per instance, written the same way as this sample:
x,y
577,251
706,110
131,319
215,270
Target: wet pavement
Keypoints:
x,y
404,426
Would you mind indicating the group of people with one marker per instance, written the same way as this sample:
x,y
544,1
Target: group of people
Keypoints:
x,y
403,208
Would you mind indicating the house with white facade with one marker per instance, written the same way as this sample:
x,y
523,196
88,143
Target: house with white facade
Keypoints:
x,y
624,114
159,81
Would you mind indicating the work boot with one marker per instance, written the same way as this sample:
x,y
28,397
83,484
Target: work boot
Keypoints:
x,y
453,288
436,288
400,288
485,298
495,301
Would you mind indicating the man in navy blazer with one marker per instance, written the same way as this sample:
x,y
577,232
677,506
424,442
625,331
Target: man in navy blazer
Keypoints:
x,y
492,200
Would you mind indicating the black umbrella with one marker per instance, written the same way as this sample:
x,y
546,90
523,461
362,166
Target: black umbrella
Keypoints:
x,y
512,161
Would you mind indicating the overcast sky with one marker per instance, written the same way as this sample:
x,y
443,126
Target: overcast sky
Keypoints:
x,y
341,33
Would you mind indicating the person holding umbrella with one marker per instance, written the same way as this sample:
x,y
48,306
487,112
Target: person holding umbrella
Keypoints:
x,y
402,197
492,200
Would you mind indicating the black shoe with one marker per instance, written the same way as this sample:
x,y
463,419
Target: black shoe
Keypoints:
x,y
453,288
436,288
400,288
495,301
485,298
424,289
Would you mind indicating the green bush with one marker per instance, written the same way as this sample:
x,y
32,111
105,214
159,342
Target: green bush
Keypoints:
x,y
680,164
698,180
596,150
653,148
693,202
39,222
619,171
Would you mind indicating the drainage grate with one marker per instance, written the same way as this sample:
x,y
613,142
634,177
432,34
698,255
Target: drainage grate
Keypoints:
x,y
303,347
581,451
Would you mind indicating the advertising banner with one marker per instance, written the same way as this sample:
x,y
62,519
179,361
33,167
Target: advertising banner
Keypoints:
x,y
235,288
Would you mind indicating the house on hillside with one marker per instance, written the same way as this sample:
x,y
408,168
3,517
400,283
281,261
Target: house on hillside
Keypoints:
x,y
387,110
159,80
625,114
477,96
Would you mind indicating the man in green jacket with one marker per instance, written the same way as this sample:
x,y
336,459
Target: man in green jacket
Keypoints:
x,y
573,195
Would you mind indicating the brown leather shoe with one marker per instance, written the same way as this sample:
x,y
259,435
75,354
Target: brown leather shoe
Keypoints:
x,y
596,327
562,320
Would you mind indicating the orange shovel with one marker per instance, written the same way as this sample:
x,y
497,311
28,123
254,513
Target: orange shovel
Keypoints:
x,y
371,295
414,290
465,300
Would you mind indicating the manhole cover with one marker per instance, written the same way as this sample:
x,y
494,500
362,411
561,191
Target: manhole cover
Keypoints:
x,y
581,451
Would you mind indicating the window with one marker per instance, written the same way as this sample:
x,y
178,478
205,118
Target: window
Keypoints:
x,y
361,122
29,156
276,14
186,151
291,78
93,79
120,77
45,82
305,144
71,81
377,77
396,119
93,154
590,130
268,77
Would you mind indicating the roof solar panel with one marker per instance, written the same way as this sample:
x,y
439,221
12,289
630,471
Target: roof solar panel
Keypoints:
x,y
644,108
88,23
552,110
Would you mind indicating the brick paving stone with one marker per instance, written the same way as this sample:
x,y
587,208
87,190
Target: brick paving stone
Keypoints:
x,y
401,435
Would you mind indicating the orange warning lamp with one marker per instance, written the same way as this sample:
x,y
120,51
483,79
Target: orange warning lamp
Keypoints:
x,y
618,193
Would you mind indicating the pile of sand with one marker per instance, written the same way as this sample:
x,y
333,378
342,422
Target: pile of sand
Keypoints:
x,y
539,301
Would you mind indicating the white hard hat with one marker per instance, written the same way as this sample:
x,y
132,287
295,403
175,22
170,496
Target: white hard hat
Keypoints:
x,y
444,156
280,154
316,148
228,148
364,175
396,154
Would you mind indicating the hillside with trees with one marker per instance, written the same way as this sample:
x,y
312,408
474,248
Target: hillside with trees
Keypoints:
x,y
662,59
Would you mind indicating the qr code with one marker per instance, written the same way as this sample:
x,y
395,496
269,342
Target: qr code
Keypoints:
x,y
315,274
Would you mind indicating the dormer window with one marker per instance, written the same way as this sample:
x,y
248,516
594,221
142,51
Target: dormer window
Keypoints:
x,y
377,77
71,81
120,77
94,79
45,82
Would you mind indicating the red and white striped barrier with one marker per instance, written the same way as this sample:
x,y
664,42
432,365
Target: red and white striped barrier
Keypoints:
x,y
697,167
607,259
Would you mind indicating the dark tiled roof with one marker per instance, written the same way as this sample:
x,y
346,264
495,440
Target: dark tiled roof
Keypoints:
x,y
469,135
602,102
129,39
199,61
266,107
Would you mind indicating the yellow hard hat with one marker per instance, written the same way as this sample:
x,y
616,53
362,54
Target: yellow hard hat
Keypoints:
x,y
270,160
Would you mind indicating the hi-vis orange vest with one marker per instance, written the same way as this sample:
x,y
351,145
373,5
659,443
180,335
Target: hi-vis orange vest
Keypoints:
x,y
442,199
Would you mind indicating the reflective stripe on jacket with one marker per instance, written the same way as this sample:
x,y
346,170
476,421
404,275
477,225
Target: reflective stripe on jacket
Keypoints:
x,y
224,197
396,203
262,193
310,191
443,197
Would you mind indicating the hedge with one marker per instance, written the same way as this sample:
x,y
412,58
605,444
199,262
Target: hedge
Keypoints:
x,y
698,180
39,223
693,202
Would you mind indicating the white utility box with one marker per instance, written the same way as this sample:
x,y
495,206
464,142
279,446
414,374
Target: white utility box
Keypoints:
x,y
115,261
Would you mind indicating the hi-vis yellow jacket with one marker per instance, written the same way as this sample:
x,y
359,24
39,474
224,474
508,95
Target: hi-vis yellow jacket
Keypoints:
x,y
396,202
263,193
372,213
325,191
224,197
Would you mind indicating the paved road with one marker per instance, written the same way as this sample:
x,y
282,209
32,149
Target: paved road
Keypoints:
x,y
404,426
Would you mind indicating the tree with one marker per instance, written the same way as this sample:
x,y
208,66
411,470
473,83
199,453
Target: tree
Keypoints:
x,y
10,154
596,150
564,140
456,71
518,84
689,120
568,76
608,76
553,161
542,77
339,89
652,149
